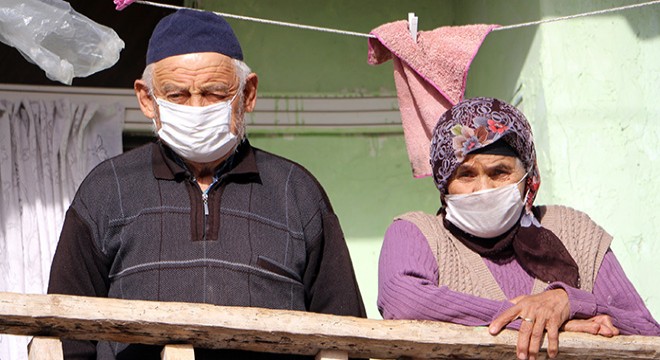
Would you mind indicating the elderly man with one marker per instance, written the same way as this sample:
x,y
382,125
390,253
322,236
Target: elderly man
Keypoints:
x,y
201,215
491,258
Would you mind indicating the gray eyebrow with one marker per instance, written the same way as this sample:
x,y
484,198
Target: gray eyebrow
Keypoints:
x,y
171,87
216,87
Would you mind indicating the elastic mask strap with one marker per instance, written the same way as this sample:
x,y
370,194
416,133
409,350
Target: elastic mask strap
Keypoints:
x,y
528,219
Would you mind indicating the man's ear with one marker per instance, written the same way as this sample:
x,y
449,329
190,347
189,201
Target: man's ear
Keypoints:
x,y
146,101
250,92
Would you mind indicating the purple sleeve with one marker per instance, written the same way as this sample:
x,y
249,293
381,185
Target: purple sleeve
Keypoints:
x,y
408,284
614,295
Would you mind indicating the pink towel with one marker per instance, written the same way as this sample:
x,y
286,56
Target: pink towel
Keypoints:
x,y
429,76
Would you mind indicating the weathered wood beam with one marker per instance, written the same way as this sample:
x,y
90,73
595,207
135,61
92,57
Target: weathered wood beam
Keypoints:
x,y
331,355
281,331
45,348
178,352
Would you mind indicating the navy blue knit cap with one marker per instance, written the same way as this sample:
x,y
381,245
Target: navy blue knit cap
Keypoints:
x,y
192,31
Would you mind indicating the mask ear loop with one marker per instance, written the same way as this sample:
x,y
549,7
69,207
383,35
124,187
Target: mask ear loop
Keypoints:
x,y
528,219
154,127
156,108
153,119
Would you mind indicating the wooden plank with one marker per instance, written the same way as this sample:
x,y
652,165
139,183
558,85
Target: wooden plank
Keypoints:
x,y
178,352
282,331
331,355
45,348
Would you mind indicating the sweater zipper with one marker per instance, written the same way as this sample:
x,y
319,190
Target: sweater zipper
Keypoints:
x,y
205,199
205,202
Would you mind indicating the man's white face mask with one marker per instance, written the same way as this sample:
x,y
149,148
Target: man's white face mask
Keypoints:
x,y
487,213
197,133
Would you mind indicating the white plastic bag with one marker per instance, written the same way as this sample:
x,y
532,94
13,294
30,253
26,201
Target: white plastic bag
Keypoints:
x,y
64,43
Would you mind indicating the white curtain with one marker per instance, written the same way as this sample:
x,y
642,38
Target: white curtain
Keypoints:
x,y
47,147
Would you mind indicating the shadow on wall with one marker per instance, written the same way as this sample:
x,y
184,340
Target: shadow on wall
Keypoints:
x,y
501,58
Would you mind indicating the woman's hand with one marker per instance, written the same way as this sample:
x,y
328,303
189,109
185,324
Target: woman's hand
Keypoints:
x,y
544,312
597,325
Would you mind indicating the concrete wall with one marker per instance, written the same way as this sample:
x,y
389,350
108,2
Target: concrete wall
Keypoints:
x,y
589,86
303,62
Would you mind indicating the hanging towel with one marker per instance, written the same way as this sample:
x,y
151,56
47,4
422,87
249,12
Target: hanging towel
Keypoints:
x,y
429,76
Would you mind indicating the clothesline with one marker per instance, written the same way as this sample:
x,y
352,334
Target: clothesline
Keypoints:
x,y
352,33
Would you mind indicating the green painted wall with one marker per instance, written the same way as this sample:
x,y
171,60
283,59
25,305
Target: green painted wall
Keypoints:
x,y
293,61
589,87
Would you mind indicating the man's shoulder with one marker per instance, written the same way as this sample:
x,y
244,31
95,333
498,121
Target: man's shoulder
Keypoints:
x,y
277,171
141,154
137,156
133,163
276,165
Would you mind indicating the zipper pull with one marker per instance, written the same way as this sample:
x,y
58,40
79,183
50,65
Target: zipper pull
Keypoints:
x,y
205,198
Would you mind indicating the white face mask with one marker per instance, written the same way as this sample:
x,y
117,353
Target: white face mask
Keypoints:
x,y
487,213
197,133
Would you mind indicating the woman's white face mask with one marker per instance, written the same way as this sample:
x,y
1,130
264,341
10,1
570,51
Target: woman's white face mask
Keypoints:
x,y
487,213
197,133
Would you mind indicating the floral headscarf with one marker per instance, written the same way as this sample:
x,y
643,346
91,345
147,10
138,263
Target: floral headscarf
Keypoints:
x,y
473,124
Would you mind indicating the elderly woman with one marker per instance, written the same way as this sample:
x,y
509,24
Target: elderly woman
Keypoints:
x,y
489,257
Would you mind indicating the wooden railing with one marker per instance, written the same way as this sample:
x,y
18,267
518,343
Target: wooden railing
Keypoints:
x,y
50,317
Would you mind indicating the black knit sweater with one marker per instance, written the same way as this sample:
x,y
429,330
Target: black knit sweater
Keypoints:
x,y
140,228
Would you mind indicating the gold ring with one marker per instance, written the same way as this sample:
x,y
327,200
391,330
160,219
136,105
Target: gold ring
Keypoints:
x,y
528,320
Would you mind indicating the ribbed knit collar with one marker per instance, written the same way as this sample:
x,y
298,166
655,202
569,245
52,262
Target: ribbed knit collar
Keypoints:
x,y
169,166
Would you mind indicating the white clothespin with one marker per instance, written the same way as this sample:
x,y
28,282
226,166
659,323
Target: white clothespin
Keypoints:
x,y
412,26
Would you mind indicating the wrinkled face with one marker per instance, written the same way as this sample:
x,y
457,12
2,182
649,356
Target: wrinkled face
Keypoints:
x,y
198,79
486,171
